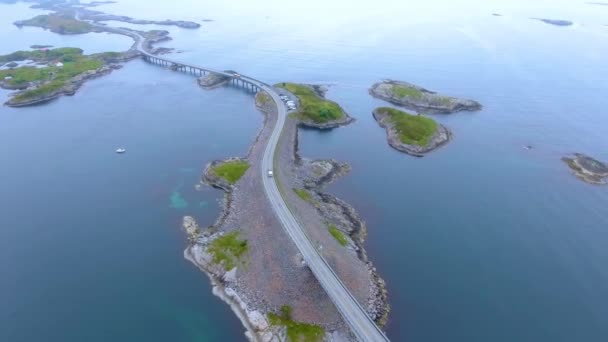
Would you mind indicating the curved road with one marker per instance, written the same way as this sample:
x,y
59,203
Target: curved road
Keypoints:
x,y
364,328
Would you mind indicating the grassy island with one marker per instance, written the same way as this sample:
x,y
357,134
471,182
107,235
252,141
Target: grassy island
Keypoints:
x,y
58,23
412,129
313,107
62,65
296,331
420,99
228,250
231,171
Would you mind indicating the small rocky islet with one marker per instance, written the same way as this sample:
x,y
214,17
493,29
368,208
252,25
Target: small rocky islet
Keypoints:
x,y
415,135
587,168
420,99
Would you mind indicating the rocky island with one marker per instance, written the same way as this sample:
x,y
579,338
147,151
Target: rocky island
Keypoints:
x,y
61,23
420,99
213,80
48,74
314,110
65,9
555,22
57,72
587,169
415,135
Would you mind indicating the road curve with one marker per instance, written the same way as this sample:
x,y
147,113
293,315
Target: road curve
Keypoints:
x,y
360,323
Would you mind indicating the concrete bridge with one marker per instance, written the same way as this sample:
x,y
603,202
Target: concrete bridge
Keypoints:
x,y
237,80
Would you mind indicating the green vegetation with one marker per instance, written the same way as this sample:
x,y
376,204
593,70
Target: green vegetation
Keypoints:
x,y
412,129
296,332
312,106
231,171
337,234
62,24
402,91
52,77
228,249
303,194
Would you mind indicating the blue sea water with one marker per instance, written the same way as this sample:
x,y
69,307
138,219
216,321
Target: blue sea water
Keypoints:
x,y
483,240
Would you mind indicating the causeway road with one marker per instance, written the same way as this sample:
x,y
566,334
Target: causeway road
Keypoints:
x,y
360,323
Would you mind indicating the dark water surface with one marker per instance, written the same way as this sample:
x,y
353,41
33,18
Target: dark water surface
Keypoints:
x,y
482,240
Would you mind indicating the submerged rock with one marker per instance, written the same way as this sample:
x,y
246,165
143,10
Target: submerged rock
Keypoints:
x,y
420,99
587,169
212,80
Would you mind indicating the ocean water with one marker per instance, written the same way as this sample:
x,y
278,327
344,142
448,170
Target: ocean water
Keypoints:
x,y
482,240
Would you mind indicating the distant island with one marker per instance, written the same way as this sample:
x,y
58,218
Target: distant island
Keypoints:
x,y
420,99
44,74
65,69
587,169
555,22
413,134
597,3
314,110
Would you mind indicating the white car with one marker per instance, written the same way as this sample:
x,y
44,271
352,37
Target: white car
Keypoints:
x,y
270,174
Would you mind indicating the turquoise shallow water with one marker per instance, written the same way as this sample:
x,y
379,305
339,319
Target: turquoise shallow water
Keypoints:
x,y
481,241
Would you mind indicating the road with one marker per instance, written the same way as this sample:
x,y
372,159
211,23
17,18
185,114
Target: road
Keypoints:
x,y
360,323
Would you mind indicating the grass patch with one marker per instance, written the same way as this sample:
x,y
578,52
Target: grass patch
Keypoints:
x,y
296,332
62,24
337,234
402,91
228,249
312,106
303,194
263,98
412,129
231,171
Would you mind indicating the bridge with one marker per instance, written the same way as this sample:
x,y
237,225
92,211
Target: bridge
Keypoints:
x,y
360,323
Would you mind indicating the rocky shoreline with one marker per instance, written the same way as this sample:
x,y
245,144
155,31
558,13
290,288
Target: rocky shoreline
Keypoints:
x,y
417,98
441,137
587,169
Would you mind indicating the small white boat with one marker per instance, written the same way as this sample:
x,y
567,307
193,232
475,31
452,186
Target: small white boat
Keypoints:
x,y
121,150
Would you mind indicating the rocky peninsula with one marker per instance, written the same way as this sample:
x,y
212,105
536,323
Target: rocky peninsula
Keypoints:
x,y
313,109
264,281
415,135
420,99
587,169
